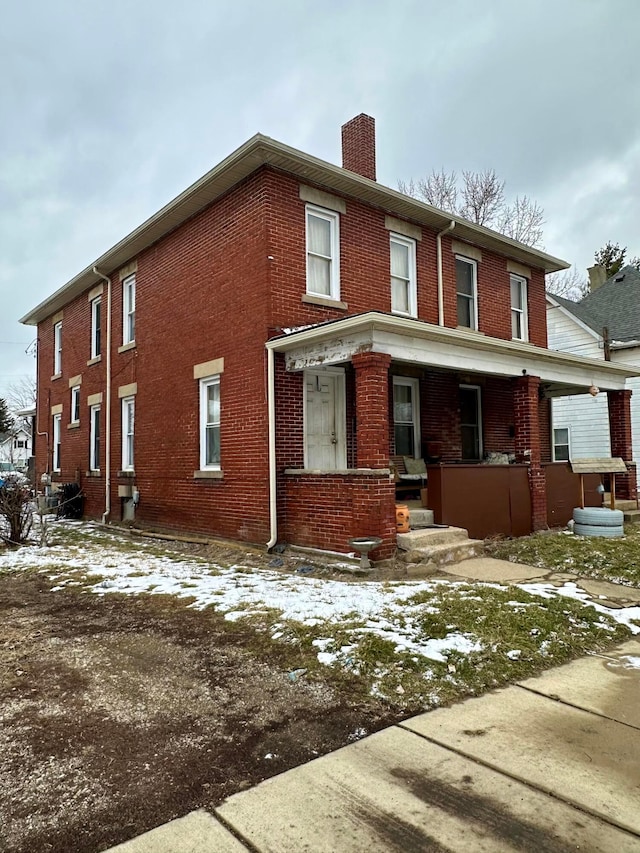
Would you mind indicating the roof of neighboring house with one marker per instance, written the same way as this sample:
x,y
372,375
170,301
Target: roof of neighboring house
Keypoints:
x,y
263,151
615,304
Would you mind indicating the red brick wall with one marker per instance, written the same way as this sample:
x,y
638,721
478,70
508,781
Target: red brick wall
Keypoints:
x,y
325,511
494,296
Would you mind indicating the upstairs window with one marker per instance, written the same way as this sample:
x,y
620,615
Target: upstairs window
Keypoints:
x,y
75,405
519,316
129,309
403,276
467,292
323,262
57,348
94,439
210,423
96,311
57,423
128,428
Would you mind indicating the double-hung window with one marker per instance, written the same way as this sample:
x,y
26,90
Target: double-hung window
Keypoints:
x,y
94,438
96,311
210,423
129,309
57,424
323,253
519,316
128,429
57,348
75,404
403,275
406,416
467,292
561,444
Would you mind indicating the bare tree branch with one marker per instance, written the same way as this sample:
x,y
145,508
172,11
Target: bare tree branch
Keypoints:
x,y
568,283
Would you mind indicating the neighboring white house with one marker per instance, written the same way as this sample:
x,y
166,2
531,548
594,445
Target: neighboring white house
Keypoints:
x,y
16,447
580,423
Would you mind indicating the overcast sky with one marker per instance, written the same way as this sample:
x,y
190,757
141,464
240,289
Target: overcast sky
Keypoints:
x,y
110,109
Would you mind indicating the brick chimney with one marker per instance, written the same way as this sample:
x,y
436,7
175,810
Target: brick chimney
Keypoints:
x,y
359,146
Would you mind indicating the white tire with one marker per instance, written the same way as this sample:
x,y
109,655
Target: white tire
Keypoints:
x,y
595,530
600,516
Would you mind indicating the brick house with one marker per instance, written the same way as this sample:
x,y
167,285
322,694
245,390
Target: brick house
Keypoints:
x,y
247,362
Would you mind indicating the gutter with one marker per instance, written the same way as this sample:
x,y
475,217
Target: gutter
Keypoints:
x,y
449,227
107,436
271,409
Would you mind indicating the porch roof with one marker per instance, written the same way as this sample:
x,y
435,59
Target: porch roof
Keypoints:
x,y
463,350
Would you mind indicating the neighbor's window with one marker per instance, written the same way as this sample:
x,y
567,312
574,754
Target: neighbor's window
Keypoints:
x,y
129,309
75,405
406,416
210,423
519,316
323,261
561,444
57,423
403,275
470,423
467,292
94,439
96,310
128,427
57,348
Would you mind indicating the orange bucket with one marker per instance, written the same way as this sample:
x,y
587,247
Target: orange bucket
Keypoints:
x,y
402,518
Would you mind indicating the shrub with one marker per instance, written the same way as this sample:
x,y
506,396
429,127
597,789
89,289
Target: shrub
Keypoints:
x,y
16,508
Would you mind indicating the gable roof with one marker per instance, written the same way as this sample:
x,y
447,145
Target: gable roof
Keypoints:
x,y
263,151
616,305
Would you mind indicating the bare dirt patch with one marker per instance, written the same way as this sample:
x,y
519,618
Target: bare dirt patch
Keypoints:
x,y
120,713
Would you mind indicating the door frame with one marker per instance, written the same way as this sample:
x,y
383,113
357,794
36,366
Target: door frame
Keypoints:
x,y
340,403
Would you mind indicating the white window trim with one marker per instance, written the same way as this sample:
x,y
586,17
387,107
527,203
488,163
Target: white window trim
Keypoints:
x,y
334,275
554,443
96,327
474,297
57,434
478,390
75,405
94,463
524,312
340,403
412,285
414,384
205,382
57,348
127,463
128,308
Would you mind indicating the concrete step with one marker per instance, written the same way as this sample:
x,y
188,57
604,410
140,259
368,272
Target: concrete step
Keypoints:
x,y
420,518
632,516
442,555
620,504
430,537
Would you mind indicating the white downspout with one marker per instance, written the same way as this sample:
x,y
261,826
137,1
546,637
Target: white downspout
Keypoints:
x,y
271,408
107,436
449,227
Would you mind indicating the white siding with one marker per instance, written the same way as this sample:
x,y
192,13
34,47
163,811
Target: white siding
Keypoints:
x,y
586,417
565,334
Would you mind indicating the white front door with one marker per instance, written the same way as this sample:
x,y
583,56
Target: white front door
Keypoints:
x,y
324,420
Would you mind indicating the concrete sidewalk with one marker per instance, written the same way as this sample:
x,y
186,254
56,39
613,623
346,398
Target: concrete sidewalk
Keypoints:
x,y
550,764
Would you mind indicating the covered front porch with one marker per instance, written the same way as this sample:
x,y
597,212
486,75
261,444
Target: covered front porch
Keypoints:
x,y
355,395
